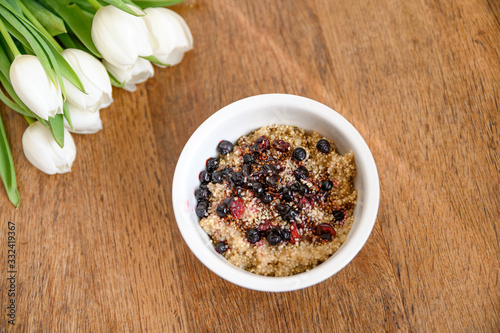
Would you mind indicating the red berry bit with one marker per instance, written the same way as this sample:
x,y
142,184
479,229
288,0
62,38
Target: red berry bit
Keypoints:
x,y
281,146
261,144
237,207
295,235
325,231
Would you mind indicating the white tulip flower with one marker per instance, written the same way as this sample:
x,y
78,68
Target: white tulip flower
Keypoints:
x,y
94,78
83,121
34,87
120,37
140,72
43,152
169,35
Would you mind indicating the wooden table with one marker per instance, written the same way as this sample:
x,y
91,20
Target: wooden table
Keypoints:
x,y
98,249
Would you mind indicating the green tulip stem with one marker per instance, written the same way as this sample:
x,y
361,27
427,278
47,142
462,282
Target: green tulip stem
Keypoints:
x,y
95,4
9,40
39,26
29,120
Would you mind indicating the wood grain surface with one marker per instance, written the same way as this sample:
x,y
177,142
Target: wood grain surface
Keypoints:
x,y
98,249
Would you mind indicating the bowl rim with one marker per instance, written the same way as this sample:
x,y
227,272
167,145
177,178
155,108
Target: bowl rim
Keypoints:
x,y
356,240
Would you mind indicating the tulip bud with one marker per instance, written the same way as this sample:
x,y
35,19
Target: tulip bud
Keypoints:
x,y
169,35
83,121
120,37
34,87
43,152
140,72
95,80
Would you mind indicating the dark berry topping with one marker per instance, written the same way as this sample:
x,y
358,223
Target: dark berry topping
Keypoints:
x,y
246,170
237,207
282,209
222,210
253,235
217,177
204,177
301,173
273,236
269,168
248,159
291,215
266,198
261,144
323,146
295,187
225,147
212,164
238,178
227,173
258,189
201,194
285,234
338,215
303,189
299,154
325,231
221,247
237,190
326,185
272,180
281,145
286,194
202,209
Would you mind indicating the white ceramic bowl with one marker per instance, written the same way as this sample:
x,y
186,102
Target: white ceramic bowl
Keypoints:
x,y
240,118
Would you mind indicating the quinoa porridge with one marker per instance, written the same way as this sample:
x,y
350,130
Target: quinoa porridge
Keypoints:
x,y
279,201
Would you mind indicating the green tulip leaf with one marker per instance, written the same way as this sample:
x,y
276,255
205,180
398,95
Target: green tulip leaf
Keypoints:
x,y
156,3
53,23
14,5
57,128
79,22
66,114
155,60
122,5
7,172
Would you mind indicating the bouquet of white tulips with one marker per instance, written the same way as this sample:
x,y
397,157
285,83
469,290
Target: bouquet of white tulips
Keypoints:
x,y
59,59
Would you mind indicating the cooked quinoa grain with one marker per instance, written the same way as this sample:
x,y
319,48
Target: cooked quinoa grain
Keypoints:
x,y
282,202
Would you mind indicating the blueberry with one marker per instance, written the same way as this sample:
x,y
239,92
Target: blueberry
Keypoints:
x,y
273,236
272,180
221,247
227,173
212,164
217,177
248,159
285,234
291,215
202,209
323,146
286,194
299,154
204,177
246,170
238,178
225,147
253,235
282,209
301,173
258,189
269,168
338,215
201,194
326,185
266,198
303,189
222,210
295,187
